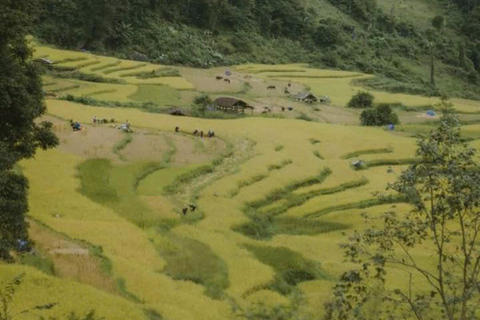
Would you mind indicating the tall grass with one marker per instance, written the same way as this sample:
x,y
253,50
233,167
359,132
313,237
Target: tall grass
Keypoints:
x,y
88,64
368,151
39,261
122,144
281,193
159,73
290,266
109,71
191,260
317,154
68,88
105,66
115,187
265,224
357,205
385,162
70,60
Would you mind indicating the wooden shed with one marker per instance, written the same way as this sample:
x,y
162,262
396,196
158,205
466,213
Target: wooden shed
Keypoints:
x,y
176,112
306,97
232,105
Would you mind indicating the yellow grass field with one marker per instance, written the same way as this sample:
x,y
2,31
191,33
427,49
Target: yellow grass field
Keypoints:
x,y
202,263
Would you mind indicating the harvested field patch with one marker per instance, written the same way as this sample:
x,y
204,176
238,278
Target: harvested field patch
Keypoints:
x,y
93,142
71,259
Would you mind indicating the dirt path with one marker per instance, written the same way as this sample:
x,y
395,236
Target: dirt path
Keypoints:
x,y
243,150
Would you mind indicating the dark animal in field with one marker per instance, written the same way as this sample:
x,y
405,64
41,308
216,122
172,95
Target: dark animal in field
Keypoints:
x,y
112,120
185,210
289,84
201,134
290,109
195,132
283,108
192,207
227,80
286,91
219,77
177,129
271,87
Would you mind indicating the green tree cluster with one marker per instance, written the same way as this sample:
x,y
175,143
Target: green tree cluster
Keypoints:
x,y
361,100
206,33
21,102
379,115
443,187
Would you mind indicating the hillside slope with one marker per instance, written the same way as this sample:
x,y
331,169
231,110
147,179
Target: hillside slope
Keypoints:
x,y
393,39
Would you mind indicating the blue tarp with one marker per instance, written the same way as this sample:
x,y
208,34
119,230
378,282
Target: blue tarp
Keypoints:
x,y
431,113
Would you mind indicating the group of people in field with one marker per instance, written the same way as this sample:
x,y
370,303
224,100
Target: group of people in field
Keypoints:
x,y
200,133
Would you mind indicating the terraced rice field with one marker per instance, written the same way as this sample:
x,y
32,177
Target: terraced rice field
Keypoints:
x,y
272,198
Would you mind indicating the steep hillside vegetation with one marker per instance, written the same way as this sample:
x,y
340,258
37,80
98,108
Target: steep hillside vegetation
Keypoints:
x,y
397,40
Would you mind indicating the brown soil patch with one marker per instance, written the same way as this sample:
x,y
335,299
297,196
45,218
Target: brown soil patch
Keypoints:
x,y
72,260
93,142
146,147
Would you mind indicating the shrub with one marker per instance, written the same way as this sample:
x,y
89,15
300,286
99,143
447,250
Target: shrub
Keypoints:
x,y
361,100
379,116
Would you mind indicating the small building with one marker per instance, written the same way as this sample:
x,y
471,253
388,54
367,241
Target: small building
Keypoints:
x,y
306,97
232,105
44,61
176,112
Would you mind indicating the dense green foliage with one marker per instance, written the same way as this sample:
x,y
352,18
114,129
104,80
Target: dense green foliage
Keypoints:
x,y
358,35
361,100
378,116
21,102
443,187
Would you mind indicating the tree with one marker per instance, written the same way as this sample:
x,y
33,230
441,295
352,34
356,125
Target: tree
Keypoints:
x,y
21,102
361,100
378,116
201,103
443,187
439,23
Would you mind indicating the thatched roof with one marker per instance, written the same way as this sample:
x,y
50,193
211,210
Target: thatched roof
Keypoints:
x,y
304,95
44,60
176,112
229,102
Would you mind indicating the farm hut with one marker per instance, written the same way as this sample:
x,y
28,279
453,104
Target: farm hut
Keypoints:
x,y
232,105
44,61
176,112
306,97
